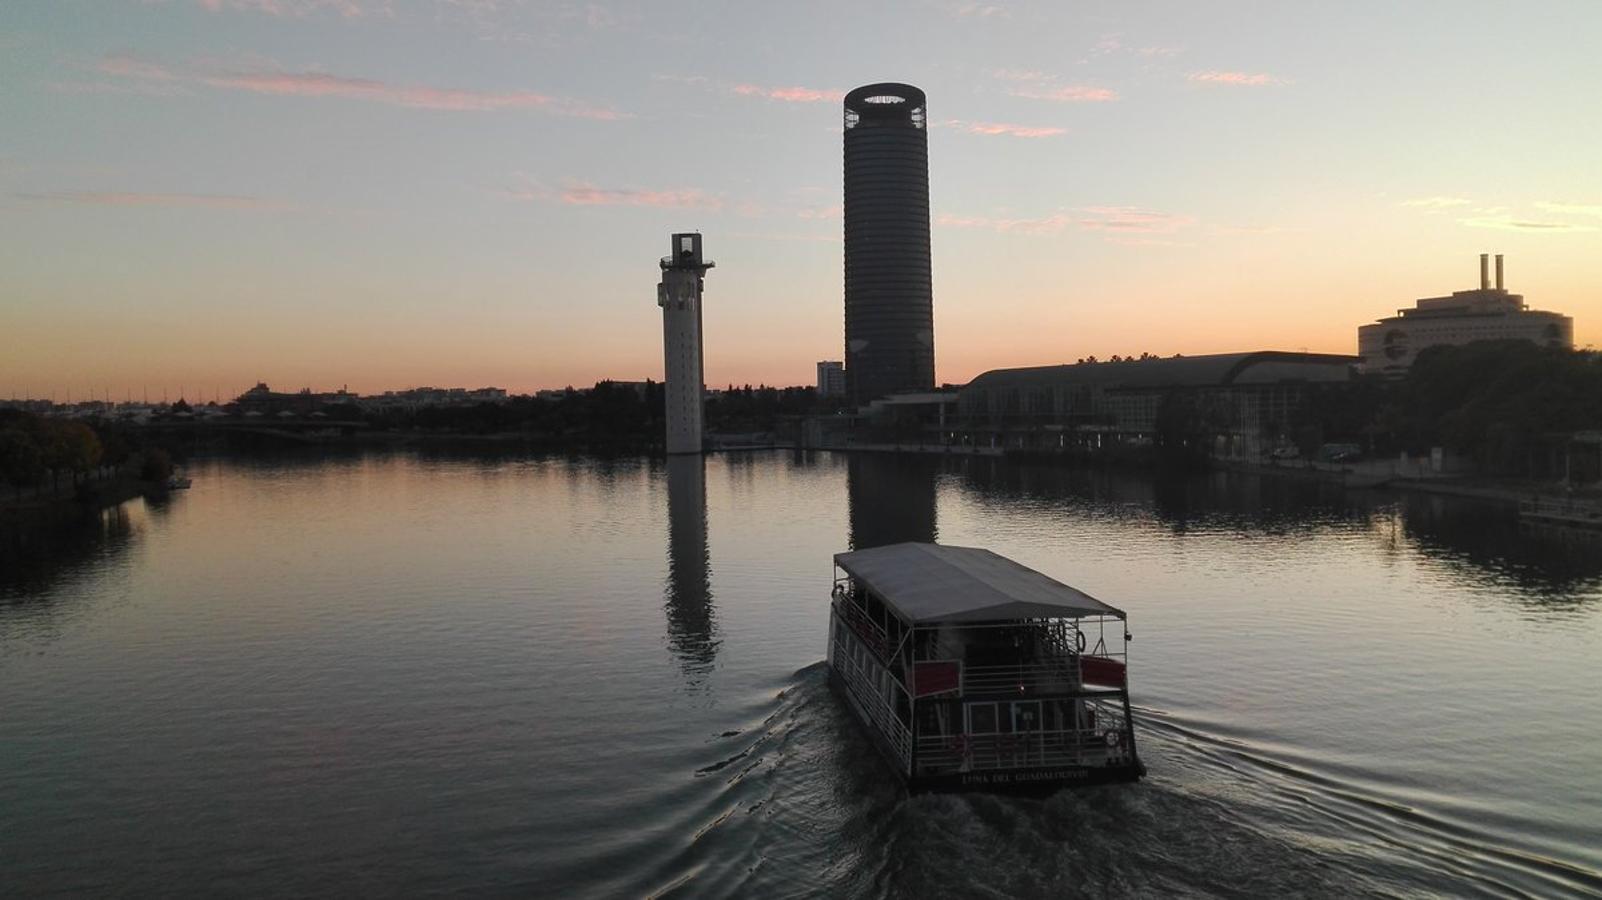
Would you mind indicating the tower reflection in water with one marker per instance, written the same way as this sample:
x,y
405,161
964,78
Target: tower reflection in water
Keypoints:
x,y
891,499
691,625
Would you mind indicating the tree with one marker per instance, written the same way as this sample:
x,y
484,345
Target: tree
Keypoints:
x,y
78,448
157,465
1501,403
21,462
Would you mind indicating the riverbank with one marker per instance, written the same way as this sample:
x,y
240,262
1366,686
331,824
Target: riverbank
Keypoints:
x,y
1510,491
46,511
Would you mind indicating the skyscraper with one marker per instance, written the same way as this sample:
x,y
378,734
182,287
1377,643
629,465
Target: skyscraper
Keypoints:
x,y
679,295
889,299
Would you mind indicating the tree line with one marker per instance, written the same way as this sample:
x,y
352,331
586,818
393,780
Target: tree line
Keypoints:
x,y
611,415
1509,406
35,450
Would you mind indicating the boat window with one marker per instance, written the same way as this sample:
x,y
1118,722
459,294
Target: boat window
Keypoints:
x,y
986,718
935,718
981,718
1059,715
1026,715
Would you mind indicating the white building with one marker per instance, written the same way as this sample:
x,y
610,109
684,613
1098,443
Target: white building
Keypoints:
x,y
1488,314
679,295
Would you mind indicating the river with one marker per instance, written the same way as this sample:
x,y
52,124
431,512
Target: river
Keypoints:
x,y
405,673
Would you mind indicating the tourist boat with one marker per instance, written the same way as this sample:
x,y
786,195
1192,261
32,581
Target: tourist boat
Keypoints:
x,y
970,671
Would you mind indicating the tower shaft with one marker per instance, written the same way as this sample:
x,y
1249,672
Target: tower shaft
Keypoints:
x,y
683,372
889,297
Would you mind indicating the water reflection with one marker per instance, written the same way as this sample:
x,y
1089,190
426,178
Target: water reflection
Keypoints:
x,y
1556,568
691,623
37,564
891,499
1218,501
1483,540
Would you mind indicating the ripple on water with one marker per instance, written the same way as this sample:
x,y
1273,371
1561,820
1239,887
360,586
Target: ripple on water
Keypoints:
x,y
803,791
402,674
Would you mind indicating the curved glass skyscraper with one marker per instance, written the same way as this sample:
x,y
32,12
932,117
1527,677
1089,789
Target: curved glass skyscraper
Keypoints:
x,y
889,299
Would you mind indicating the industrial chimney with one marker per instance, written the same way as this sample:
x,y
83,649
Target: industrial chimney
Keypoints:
x,y
1485,271
1499,272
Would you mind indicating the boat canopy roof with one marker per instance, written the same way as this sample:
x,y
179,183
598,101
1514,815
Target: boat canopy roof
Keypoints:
x,y
929,583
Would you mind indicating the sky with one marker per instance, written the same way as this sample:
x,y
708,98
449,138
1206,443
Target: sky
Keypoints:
x,y
196,195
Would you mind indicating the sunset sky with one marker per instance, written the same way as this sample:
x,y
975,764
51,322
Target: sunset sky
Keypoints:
x,y
476,192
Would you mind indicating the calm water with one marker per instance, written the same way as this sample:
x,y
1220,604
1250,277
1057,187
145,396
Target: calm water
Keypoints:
x,y
402,674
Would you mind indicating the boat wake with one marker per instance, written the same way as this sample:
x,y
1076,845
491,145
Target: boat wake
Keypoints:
x,y
794,801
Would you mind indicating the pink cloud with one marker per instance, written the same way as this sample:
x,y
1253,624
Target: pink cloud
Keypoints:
x,y
123,66
1051,224
123,198
952,220
1069,93
1034,84
350,9
786,94
822,212
145,88
590,195
1109,43
1003,128
1019,75
1237,79
324,84
1118,220
1149,242
1131,219
580,193
789,94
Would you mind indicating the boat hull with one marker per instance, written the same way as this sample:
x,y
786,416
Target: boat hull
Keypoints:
x,y
1031,781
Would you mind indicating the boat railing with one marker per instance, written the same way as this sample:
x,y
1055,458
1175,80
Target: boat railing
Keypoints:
x,y
871,633
1055,675
1106,743
872,690
1564,509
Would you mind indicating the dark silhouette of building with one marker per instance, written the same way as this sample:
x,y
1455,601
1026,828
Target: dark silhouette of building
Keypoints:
x,y
889,298
831,378
692,631
891,499
266,401
1245,403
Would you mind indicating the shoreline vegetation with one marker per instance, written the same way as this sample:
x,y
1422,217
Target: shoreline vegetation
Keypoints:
x,y
1503,421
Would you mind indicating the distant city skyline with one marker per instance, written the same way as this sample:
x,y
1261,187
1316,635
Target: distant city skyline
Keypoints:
x,y
385,194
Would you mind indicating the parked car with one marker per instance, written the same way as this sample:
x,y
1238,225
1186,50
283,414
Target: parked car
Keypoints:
x,y
1340,452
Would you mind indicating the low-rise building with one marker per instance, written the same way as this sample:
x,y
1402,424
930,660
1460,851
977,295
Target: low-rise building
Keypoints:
x,y
423,397
263,399
1390,345
1245,402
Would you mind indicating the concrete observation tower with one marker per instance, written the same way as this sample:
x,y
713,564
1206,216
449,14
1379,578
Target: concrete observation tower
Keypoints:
x,y
679,295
